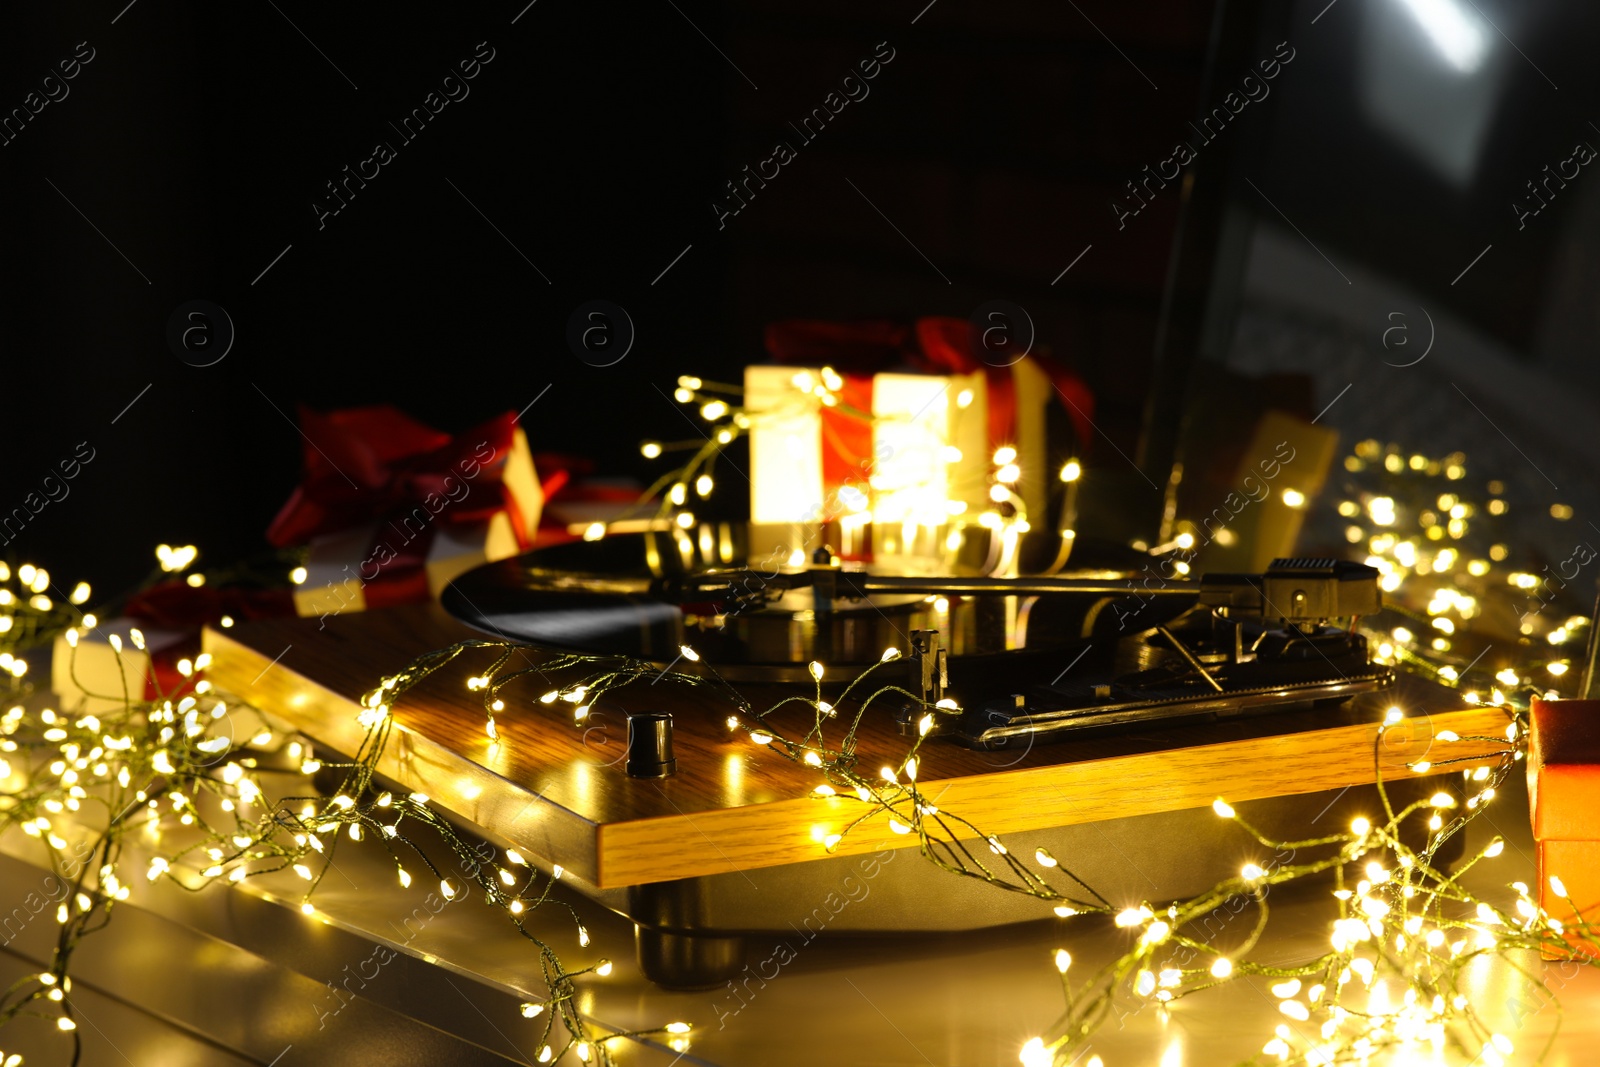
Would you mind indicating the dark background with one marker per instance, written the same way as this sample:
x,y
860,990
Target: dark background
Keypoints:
x,y
596,140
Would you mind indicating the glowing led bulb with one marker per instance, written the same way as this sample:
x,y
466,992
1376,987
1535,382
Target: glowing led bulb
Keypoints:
x,y
1034,1054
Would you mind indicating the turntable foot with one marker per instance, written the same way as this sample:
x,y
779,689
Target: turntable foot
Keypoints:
x,y
687,961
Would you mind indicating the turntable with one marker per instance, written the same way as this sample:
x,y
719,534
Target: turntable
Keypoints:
x,y
1037,657
1161,696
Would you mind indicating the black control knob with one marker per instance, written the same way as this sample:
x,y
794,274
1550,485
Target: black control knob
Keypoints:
x,y
650,745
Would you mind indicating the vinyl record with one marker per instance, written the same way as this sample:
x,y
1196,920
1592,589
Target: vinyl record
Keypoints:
x,y
647,594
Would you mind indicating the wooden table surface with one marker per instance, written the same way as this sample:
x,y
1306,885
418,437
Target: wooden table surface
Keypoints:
x,y
560,792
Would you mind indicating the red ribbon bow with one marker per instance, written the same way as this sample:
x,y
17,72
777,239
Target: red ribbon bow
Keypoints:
x,y
364,464
174,605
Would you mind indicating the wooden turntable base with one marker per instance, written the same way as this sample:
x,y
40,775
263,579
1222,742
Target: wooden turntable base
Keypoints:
x,y
561,793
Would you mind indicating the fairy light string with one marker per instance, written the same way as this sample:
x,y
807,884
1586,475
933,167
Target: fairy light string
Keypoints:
x,y
85,785
1405,935
1402,934
1404,929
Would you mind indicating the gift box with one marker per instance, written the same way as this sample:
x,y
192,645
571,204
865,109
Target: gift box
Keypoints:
x,y
575,499
391,510
900,445
389,563
837,429
94,676
1564,800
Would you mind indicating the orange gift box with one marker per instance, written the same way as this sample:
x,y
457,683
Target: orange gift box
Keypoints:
x,y
1564,798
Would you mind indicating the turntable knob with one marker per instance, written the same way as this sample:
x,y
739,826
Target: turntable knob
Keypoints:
x,y
650,746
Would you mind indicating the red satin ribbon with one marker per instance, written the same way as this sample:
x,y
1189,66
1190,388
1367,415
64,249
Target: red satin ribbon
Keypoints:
x,y
847,456
363,465
175,605
397,583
